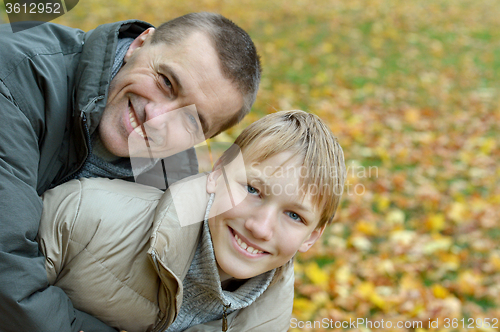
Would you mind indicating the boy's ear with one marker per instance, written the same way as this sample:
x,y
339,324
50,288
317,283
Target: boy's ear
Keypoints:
x,y
138,43
315,235
213,177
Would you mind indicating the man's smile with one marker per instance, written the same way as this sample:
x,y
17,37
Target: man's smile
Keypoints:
x,y
134,121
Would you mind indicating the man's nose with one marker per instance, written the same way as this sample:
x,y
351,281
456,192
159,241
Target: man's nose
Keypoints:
x,y
153,110
262,223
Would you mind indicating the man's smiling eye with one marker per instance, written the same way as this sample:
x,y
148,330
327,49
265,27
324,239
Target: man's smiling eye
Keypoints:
x,y
167,82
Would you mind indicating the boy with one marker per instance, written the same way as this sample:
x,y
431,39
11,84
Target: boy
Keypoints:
x,y
122,253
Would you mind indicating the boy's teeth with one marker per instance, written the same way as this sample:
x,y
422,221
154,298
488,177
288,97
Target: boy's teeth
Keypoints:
x,y
246,247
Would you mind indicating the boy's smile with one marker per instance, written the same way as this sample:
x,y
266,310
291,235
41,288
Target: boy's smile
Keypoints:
x,y
247,247
268,227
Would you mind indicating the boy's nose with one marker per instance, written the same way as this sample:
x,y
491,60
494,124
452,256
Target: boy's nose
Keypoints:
x,y
261,224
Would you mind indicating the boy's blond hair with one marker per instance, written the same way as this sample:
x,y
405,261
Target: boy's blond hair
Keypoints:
x,y
323,169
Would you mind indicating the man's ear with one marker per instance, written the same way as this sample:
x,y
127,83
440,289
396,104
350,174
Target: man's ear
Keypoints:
x,y
315,235
138,43
213,177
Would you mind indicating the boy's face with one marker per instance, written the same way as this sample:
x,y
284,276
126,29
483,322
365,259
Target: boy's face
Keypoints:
x,y
270,225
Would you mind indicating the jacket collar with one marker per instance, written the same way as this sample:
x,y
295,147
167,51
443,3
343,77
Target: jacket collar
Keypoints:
x,y
176,232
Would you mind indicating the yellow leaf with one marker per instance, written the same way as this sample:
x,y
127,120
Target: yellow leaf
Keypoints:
x,y
440,292
366,227
488,144
383,203
450,261
417,310
436,222
495,261
343,274
365,289
316,274
402,237
495,199
297,267
320,298
468,282
438,243
386,267
360,243
378,301
457,212
327,48
302,304
409,282
412,115
303,308
395,216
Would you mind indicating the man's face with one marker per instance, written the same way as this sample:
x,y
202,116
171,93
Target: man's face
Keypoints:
x,y
269,226
160,78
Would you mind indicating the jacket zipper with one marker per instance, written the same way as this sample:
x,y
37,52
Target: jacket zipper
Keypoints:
x,y
87,137
224,317
163,323
87,141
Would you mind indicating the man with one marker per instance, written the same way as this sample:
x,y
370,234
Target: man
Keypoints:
x,y
69,102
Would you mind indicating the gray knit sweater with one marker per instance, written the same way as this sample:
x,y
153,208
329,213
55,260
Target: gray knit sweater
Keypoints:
x,y
204,299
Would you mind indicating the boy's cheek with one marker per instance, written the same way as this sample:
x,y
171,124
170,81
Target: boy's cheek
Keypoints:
x,y
227,200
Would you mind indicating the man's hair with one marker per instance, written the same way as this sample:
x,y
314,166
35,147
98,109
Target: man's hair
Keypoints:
x,y
322,173
238,58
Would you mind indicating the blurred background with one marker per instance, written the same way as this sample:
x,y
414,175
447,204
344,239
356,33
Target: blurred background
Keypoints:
x,y
411,90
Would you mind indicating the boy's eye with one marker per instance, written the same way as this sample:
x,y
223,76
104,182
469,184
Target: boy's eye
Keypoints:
x,y
193,125
294,216
252,190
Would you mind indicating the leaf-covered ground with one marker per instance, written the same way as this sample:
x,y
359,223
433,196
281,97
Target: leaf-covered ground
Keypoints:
x,y
411,90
